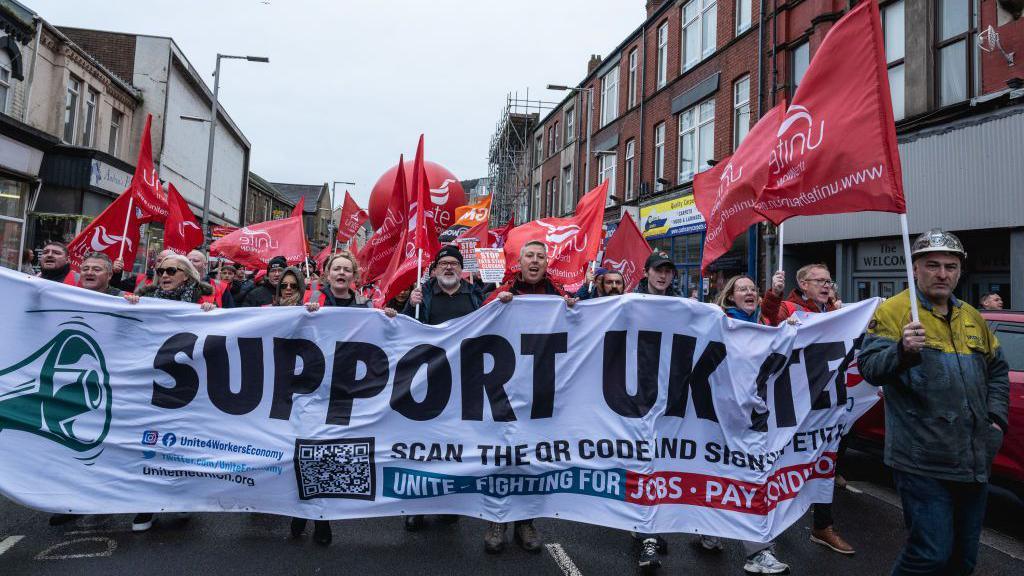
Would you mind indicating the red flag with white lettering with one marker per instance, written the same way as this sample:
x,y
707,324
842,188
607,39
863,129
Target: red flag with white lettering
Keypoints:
x,y
725,195
572,242
835,149
254,245
376,255
106,232
145,185
352,217
627,252
182,231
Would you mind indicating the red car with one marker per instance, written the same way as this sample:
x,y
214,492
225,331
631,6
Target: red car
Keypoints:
x,y
1008,467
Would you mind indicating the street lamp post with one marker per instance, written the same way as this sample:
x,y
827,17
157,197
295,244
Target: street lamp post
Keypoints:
x,y
590,113
334,232
213,131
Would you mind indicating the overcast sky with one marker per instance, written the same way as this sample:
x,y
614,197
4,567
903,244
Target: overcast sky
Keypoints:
x,y
352,84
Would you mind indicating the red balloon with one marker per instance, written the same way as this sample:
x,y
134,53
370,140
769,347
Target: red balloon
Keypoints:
x,y
445,192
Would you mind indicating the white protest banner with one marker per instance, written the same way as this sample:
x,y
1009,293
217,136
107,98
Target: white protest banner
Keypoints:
x,y
467,247
642,413
491,262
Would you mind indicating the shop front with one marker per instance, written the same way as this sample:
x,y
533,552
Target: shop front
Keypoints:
x,y
22,150
675,227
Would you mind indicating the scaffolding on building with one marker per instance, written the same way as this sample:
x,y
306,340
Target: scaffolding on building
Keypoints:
x,y
510,165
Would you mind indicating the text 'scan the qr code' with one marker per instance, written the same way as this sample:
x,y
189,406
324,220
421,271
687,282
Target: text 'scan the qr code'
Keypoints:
x,y
335,468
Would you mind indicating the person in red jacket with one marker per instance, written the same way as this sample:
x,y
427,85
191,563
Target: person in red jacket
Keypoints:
x,y
532,277
814,294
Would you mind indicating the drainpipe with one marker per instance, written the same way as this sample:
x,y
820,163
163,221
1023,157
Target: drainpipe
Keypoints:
x,y
32,71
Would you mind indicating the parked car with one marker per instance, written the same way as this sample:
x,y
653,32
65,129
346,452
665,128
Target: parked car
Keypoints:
x,y
1008,467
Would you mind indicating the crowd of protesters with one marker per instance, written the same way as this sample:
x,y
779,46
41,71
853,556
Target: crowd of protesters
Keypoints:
x,y
940,446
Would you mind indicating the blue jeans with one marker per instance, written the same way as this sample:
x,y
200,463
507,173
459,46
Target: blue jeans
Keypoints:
x,y
944,519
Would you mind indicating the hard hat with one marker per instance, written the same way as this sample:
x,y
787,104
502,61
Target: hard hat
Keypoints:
x,y
937,240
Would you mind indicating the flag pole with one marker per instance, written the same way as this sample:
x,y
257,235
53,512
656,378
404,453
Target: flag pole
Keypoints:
x,y
419,276
910,272
127,219
781,232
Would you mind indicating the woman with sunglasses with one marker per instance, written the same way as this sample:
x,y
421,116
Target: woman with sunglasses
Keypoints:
x,y
177,279
290,288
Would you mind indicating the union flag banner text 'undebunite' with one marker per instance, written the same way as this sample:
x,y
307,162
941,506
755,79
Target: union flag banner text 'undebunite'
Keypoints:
x,y
638,412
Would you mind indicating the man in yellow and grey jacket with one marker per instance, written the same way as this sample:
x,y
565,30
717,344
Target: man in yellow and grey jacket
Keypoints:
x,y
946,401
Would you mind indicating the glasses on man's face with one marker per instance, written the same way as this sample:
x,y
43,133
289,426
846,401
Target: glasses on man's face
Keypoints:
x,y
823,282
289,286
448,264
170,271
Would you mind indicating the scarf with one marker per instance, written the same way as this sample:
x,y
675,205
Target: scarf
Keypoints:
x,y
185,292
739,314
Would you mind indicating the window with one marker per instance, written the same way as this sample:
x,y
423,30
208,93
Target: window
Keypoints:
x,y
740,110
659,152
555,193
92,101
114,141
630,184
610,96
633,77
568,196
5,81
953,53
606,171
536,201
662,54
71,109
570,125
700,31
801,55
742,16
696,139
893,30
551,139
558,138
538,152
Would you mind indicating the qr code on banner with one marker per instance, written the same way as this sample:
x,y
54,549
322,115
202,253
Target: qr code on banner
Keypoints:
x,y
340,468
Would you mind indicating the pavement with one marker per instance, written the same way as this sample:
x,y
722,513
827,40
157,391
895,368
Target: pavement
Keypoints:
x,y
867,515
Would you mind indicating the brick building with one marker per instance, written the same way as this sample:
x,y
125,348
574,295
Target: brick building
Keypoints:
x,y
265,202
316,210
684,88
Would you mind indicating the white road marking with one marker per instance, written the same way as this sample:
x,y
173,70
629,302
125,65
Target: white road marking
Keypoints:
x,y
104,531
8,543
563,560
991,538
48,554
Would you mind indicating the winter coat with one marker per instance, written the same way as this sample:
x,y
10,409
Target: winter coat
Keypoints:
x,y
205,293
643,288
326,298
299,280
777,310
518,288
261,295
940,404
476,297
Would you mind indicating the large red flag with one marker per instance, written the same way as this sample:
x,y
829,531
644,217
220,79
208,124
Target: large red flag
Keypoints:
x,y
106,232
182,231
352,217
418,244
835,150
299,207
572,242
627,252
145,185
376,255
725,194
254,245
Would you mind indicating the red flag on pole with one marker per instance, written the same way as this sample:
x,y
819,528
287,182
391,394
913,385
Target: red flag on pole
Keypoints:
x,y
725,194
627,252
835,149
322,256
376,255
254,245
182,231
299,207
352,217
106,233
353,246
572,242
418,244
145,185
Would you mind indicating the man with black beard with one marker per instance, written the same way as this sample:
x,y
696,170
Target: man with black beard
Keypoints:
x,y
54,265
612,283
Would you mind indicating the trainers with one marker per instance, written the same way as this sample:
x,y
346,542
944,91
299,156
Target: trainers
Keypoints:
x,y
527,536
413,522
710,543
765,562
827,537
494,537
142,522
648,558
322,532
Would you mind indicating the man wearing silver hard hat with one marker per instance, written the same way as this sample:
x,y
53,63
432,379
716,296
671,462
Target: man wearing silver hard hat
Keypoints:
x,y
946,402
